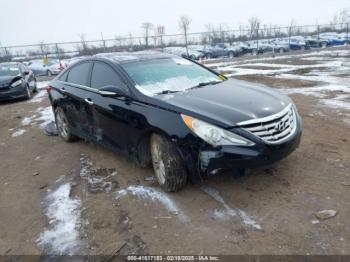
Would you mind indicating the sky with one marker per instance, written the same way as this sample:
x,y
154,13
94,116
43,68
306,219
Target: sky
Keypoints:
x,y
32,21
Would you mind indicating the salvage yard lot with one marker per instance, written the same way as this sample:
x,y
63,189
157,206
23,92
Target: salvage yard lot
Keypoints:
x,y
80,198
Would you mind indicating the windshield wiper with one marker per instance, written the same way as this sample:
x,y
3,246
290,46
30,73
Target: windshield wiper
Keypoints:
x,y
206,84
164,92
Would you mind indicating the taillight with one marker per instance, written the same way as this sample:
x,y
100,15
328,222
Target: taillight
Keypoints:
x,y
48,89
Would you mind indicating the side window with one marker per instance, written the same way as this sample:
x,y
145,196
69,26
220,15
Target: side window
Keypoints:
x,y
63,77
103,75
79,74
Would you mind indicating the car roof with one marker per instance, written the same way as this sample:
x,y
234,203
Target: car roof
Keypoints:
x,y
124,57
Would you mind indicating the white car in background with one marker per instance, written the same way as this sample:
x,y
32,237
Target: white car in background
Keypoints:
x,y
38,67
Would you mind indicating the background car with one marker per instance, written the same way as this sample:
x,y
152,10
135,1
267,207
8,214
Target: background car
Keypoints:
x,y
16,81
334,38
40,69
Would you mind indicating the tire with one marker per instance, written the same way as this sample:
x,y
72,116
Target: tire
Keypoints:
x,y
303,47
208,56
231,54
63,128
323,44
28,93
167,164
193,57
281,50
48,73
35,90
254,52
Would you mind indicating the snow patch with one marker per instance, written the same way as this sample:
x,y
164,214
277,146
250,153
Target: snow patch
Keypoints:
x,y
42,84
18,132
98,178
154,195
229,212
63,212
39,97
42,116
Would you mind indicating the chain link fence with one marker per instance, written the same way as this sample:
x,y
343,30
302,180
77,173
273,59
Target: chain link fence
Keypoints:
x,y
213,36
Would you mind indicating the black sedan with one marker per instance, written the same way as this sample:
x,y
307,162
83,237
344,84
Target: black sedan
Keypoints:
x,y
183,117
16,81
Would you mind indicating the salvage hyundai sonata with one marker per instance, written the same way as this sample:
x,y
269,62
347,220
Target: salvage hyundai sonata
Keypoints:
x,y
182,117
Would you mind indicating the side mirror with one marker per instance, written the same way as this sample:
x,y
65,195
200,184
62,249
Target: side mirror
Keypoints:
x,y
26,73
113,91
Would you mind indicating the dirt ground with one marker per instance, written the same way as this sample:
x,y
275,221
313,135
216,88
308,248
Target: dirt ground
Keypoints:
x,y
270,210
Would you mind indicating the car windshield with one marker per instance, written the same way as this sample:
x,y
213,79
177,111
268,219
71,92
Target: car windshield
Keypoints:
x,y
168,75
9,70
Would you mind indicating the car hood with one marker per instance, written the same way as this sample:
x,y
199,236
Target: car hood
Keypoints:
x,y
229,102
7,80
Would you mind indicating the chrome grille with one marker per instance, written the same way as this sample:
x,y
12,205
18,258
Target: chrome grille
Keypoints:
x,y
275,128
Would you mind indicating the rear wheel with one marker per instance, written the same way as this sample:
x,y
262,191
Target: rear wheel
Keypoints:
x,y
63,127
28,93
323,44
48,73
167,164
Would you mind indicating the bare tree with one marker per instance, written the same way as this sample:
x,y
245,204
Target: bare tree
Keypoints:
x,y
118,40
341,18
131,43
291,29
254,25
160,32
44,48
84,46
147,26
344,17
184,25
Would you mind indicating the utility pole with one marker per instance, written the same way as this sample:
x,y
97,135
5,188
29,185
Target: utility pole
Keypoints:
x,y
58,52
103,42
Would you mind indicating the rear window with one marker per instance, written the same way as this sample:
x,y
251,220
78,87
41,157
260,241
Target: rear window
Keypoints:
x,y
79,74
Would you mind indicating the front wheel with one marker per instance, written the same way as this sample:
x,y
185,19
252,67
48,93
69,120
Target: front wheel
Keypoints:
x,y
35,89
208,56
63,127
167,164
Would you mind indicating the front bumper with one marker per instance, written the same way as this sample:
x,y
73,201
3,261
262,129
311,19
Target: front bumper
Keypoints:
x,y
230,157
208,158
12,93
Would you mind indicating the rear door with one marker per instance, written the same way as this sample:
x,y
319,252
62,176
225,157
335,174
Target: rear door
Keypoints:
x,y
111,114
75,99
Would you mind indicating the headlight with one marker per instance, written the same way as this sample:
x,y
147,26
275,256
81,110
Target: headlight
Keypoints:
x,y
214,135
17,83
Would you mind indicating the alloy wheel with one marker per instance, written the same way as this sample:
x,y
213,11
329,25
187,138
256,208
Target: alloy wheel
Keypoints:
x,y
62,124
158,162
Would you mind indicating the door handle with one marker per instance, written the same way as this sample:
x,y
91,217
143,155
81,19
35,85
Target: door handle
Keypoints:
x,y
89,101
63,89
